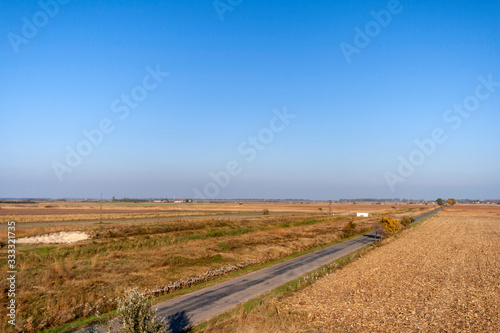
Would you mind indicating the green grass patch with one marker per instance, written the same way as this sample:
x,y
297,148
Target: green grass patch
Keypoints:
x,y
94,320
41,250
216,233
306,222
239,231
217,258
223,246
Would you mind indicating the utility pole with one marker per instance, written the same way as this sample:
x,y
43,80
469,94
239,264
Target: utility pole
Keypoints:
x,y
100,214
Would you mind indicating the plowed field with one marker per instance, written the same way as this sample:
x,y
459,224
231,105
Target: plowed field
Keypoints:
x,y
443,276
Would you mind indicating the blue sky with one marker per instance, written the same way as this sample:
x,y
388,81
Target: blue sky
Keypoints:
x,y
353,120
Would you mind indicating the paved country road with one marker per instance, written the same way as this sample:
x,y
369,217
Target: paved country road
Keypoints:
x,y
194,308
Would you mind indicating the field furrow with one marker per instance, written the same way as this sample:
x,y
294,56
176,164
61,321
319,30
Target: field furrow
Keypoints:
x,y
442,276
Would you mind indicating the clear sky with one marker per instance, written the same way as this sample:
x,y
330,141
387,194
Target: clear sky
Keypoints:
x,y
250,99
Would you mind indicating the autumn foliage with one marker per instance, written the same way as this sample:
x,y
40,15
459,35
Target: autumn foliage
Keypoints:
x,y
390,227
349,229
451,202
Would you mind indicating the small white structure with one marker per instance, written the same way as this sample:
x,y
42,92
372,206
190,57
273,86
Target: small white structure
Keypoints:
x,y
362,214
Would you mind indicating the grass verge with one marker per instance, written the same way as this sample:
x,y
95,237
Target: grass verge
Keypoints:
x,y
263,305
84,322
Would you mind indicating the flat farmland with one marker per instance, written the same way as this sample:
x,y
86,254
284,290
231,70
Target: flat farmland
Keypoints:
x,y
176,247
61,216
65,208
442,276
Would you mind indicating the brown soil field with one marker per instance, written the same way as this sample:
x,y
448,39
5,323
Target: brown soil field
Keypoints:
x,y
472,210
442,276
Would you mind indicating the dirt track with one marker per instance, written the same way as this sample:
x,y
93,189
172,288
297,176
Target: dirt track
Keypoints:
x,y
442,276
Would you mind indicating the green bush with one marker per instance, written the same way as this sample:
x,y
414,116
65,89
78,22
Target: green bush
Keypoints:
x,y
406,221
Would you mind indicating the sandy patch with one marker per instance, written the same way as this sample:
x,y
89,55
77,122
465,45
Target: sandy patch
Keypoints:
x,y
65,237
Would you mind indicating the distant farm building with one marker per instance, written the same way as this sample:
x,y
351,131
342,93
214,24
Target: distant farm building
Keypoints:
x,y
362,215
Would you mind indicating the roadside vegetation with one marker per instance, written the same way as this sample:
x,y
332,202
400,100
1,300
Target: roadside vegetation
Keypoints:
x,y
392,226
264,313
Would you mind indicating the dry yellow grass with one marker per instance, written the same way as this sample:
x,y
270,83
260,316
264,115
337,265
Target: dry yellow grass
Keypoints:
x,y
92,217
57,281
73,212
440,277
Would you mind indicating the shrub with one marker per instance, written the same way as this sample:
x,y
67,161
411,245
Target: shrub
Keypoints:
x,y
349,229
136,315
406,221
389,226
265,211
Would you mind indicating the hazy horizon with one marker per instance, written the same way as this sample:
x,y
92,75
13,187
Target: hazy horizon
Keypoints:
x,y
250,99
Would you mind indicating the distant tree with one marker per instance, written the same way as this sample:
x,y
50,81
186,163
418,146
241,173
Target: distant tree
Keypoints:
x,y
451,202
440,202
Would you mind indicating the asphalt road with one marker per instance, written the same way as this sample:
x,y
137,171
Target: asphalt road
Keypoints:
x,y
194,308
